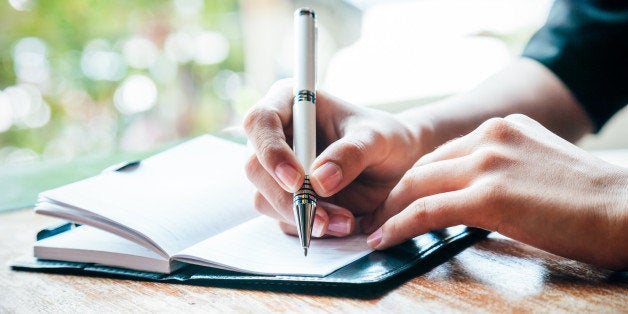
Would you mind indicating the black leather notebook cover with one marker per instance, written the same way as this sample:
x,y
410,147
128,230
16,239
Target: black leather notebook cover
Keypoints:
x,y
374,273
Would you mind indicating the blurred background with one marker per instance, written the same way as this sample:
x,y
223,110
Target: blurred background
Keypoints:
x,y
95,77
85,79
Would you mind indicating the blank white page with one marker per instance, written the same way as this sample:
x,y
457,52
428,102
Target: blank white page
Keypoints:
x,y
260,247
177,198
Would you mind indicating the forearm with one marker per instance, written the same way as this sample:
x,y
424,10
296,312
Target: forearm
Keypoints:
x,y
525,87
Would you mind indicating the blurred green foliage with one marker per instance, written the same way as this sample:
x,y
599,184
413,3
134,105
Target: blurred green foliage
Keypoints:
x,y
186,105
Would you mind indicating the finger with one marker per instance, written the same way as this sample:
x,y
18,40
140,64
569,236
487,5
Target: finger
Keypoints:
x,y
492,131
288,228
342,161
279,201
321,220
454,148
329,219
265,126
341,220
423,215
272,201
418,182
263,206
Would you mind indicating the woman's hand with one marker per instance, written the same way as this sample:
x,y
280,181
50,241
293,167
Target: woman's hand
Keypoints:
x,y
362,155
513,176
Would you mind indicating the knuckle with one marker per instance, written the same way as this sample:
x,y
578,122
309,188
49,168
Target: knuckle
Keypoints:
x,y
490,158
408,182
425,213
493,199
258,115
270,150
356,150
249,120
393,226
492,190
499,130
491,124
252,167
414,217
259,202
419,214
373,135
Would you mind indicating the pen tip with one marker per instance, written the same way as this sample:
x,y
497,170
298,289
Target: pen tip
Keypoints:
x,y
304,251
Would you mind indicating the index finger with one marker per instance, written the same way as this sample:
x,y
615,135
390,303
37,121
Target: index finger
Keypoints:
x,y
265,125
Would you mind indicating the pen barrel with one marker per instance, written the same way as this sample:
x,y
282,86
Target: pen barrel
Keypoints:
x,y
304,132
304,105
304,50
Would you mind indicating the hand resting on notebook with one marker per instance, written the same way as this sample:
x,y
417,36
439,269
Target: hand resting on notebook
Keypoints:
x,y
511,174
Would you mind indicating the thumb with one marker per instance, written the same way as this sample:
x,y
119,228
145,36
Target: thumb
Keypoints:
x,y
340,163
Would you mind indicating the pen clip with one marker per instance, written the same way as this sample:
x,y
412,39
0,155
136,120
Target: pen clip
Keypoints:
x,y
52,231
122,166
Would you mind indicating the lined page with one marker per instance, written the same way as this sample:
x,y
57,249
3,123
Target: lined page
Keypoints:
x,y
260,247
176,198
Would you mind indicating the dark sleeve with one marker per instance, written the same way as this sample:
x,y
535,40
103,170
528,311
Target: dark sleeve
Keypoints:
x,y
585,43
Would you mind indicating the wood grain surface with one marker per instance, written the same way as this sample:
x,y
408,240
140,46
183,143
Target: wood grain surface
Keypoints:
x,y
495,275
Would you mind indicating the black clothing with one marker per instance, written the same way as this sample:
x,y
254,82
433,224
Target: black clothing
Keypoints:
x,y
585,43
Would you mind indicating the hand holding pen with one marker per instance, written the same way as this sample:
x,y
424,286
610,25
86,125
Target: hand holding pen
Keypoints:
x,y
362,155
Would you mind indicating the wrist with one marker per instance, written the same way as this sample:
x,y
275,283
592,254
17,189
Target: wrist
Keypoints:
x,y
609,247
618,208
436,123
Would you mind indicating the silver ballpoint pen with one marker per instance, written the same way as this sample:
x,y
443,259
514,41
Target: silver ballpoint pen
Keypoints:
x,y
304,119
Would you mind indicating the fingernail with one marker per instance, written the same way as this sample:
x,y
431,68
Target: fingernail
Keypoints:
x,y
375,239
340,225
288,175
328,176
319,224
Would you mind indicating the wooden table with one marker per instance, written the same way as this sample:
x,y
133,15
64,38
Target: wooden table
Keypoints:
x,y
495,275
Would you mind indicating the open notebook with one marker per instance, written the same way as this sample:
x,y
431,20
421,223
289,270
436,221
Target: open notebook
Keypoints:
x,y
191,204
186,215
